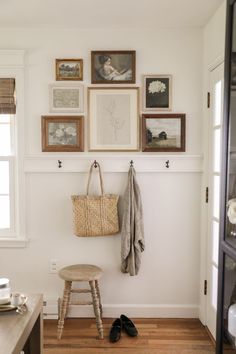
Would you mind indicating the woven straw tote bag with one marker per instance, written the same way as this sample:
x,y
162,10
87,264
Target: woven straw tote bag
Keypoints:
x,y
95,215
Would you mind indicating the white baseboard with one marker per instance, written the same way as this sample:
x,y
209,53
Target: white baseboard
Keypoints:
x,y
131,310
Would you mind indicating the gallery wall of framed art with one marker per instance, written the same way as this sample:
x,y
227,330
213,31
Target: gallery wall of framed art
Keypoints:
x,y
118,115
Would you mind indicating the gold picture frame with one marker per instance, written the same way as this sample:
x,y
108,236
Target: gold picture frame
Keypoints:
x,y
69,69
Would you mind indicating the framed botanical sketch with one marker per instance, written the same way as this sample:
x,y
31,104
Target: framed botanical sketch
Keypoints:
x,y
163,132
157,92
69,69
66,98
62,133
113,118
113,67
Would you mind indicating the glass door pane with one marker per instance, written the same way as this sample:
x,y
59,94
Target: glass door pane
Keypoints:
x,y
229,310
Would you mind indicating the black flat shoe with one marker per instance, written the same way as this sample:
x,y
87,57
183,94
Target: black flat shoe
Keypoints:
x,y
115,331
128,326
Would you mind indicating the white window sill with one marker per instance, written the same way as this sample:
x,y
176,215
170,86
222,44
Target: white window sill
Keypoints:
x,y
13,243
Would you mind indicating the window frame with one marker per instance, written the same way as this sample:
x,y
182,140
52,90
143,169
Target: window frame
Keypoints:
x,y
12,65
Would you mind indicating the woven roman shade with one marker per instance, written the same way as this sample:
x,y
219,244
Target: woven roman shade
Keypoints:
x,y
7,96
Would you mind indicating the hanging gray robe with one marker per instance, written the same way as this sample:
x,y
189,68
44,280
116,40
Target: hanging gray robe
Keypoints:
x,y
132,234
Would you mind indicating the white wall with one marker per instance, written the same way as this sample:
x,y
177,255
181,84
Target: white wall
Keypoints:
x,y
169,277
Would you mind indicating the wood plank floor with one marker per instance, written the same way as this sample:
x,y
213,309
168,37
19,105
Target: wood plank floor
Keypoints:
x,y
156,336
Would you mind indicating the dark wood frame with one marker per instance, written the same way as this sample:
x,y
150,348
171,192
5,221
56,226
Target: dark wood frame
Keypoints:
x,y
79,146
224,247
180,116
113,52
77,78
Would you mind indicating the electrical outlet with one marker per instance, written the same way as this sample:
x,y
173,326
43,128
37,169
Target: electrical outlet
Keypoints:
x,y
53,266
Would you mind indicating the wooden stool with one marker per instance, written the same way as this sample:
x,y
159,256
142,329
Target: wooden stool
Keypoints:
x,y
80,272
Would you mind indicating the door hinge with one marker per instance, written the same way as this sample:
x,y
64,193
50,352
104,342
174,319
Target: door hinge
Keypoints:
x,y
207,194
208,99
205,287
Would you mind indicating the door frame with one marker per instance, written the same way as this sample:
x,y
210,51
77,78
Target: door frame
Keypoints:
x,y
205,182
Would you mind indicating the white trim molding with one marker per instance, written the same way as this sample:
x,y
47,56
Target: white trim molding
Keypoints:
x,y
114,163
12,58
50,310
12,65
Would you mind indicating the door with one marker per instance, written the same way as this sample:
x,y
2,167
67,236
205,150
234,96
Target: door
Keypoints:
x,y
214,162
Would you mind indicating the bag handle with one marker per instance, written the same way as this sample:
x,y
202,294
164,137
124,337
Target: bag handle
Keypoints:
x,y
100,177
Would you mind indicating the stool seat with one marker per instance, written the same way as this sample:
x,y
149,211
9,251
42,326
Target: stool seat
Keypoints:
x,y
81,272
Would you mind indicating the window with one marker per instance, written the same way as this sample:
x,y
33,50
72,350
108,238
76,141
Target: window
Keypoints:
x,y
7,180
11,150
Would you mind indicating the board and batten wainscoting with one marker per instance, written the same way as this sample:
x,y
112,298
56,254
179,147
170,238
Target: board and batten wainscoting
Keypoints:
x,y
170,187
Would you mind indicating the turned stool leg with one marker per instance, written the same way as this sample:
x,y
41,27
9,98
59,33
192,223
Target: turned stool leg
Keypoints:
x,y
63,308
96,308
99,297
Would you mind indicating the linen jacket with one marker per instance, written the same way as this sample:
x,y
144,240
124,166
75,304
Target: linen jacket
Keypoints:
x,y
132,230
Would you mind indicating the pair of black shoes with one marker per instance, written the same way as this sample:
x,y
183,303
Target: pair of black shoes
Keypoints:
x,y
122,323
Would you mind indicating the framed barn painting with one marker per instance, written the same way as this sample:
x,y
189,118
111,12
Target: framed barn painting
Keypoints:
x,y
157,92
113,67
163,132
113,118
62,133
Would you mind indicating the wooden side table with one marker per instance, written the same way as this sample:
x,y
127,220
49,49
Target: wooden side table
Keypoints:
x,y
23,332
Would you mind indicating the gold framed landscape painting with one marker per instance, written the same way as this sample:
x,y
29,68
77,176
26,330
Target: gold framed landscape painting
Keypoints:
x,y
62,133
113,118
69,69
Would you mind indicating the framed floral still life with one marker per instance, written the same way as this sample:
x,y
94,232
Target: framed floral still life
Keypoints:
x,y
69,69
113,67
113,118
163,132
157,92
62,133
66,98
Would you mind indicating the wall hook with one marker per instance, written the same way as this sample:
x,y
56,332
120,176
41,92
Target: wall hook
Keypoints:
x,y
95,164
59,163
131,163
167,164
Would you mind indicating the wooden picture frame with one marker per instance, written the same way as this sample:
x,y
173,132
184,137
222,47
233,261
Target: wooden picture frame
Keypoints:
x,y
157,92
113,118
69,69
66,98
163,132
62,133
113,67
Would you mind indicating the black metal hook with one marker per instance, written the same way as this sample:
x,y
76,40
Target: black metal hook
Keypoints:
x,y
131,163
59,163
95,164
167,164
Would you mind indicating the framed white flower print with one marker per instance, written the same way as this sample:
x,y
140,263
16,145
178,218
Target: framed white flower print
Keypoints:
x,y
157,92
66,98
62,133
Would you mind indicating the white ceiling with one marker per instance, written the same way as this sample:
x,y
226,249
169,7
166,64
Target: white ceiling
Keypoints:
x,y
106,13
